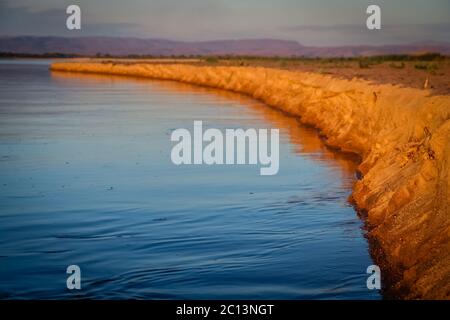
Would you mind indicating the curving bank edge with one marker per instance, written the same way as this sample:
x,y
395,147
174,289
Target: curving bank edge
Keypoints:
x,y
401,134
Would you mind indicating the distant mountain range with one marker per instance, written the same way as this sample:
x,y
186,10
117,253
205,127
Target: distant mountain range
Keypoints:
x,y
160,47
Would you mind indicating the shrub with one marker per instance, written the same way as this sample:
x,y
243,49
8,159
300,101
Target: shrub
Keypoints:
x,y
420,66
429,67
395,65
212,59
363,64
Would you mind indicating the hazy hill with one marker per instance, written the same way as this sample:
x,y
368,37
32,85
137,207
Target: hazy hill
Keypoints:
x,y
162,47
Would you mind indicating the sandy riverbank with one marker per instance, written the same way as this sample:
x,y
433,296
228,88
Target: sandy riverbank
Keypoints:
x,y
402,135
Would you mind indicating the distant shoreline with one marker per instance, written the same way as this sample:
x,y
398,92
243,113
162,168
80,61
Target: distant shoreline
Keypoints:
x,y
157,47
429,71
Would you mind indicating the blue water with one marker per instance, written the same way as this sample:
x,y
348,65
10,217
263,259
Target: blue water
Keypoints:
x,y
86,179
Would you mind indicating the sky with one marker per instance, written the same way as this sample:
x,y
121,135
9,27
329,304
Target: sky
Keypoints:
x,y
310,22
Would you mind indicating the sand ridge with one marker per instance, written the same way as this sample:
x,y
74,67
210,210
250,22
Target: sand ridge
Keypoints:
x,y
401,134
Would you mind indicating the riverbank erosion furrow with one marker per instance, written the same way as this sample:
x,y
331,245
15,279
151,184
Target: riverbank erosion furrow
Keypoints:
x,y
401,134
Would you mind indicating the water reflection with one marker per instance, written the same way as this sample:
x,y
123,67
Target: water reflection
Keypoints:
x,y
305,138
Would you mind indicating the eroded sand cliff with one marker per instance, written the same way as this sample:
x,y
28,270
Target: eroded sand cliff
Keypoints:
x,y
402,135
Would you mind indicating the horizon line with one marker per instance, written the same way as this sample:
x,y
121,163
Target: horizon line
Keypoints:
x,y
413,43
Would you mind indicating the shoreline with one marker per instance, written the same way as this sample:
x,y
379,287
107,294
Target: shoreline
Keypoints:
x,y
401,134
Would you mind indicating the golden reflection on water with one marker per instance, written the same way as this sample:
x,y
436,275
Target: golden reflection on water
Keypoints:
x,y
306,140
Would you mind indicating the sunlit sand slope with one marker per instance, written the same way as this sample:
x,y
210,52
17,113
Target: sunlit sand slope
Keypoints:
x,y
402,135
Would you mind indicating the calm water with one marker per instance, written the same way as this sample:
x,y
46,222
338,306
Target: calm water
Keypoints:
x,y
86,179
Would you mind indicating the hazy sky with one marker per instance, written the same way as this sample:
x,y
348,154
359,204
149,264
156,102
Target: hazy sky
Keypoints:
x,y
311,22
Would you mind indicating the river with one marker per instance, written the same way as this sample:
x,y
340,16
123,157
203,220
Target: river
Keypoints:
x,y
86,179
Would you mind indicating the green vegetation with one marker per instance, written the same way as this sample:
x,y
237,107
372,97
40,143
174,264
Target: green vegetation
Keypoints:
x,y
49,55
212,59
343,62
428,62
376,59
395,61
364,63
397,65
429,67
